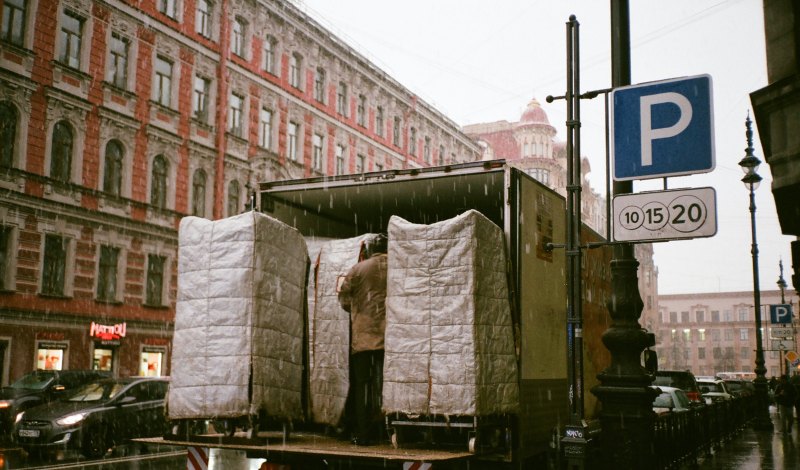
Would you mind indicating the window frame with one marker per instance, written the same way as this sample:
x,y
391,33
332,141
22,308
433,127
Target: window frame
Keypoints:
x,y
117,71
236,114
296,70
199,185
233,201
201,98
341,99
319,85
9,125
108,290
11,31
151,275
317,145
113,166
159,187
55,264
203,18
293,130
268,59
239,37
379,121
58,143
361,111
70,44
265,128
162,82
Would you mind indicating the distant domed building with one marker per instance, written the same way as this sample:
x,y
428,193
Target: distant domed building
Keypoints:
x,y
530,145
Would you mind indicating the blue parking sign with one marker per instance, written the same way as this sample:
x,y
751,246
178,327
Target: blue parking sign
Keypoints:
x,y
780,313
663,128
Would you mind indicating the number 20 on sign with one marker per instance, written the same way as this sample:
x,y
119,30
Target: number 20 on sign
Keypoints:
x,y
660,215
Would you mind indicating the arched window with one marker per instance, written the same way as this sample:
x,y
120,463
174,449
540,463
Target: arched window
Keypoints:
x,y
8,133
61,152
158,188
112,178
199,193
233,198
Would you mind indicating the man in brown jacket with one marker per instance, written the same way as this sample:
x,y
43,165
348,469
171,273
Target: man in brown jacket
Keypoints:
x,y
363,294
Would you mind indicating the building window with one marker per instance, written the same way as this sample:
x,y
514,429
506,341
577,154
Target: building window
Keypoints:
x,y
107,273
199,193
265,131
293,143
684,317
700,315
69,52
202,18
426,150
340,159
379,120
745,353
701,333
112,174
361,111
236,115
396,132
728,335
238,34
743,314
12,28
61,152
441,155
317,152
412,141
701,353
717,352
295,70
233,198
117,73
200,98
162,88
8,133
687,335
727,315
341,99
715,335
319,85
6,257
54,268
158,189
715,316
155,280
167,7
269,55
360,163
743,334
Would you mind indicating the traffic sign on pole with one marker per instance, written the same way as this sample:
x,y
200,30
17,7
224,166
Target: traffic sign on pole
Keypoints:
x,y
780,313
663,215
663,128
781,332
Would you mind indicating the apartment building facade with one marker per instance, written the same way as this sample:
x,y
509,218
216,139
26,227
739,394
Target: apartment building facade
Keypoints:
x,y
120,117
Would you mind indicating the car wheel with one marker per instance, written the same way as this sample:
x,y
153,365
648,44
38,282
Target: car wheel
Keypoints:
x,y
95,443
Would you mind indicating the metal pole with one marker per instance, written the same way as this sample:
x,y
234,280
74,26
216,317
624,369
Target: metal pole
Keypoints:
x,y
762,421
627,415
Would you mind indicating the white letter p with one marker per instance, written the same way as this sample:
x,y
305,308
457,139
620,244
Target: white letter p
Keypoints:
x,y
648,133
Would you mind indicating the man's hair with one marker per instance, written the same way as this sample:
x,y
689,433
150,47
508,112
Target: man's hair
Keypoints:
x,y
377,244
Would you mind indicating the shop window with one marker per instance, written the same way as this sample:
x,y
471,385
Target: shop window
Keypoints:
x,y
55,265
49,359
151,362
112,178
199,193
155,280
107,274
8,133
158,184
103,359
61,152
233,198
12,29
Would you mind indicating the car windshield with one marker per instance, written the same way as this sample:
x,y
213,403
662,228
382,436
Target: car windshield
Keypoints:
x,y
34,381
96,391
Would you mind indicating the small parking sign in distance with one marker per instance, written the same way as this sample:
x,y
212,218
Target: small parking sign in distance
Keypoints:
x,y
665,215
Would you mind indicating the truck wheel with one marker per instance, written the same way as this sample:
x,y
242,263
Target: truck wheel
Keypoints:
x,y
395,440
95,443
473,444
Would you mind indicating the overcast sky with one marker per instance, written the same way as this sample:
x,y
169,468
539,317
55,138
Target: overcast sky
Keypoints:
x,y
479,61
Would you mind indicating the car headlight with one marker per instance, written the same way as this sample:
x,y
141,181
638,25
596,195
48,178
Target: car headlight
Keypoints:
x,y
5,404
69,420
19,417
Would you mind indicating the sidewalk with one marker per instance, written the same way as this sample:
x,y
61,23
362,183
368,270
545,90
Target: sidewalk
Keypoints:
x,y
758,450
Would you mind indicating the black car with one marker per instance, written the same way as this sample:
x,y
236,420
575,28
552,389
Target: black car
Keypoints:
x,y
96,417
682,379
38,387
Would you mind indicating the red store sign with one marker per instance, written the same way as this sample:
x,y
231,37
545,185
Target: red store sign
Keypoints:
x,y
107,332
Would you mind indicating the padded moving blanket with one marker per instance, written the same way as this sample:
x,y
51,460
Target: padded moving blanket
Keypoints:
x,y
329,330
449,336
239,319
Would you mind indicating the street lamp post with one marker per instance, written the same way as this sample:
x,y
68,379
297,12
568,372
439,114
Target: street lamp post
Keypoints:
x,y
782,286
751,181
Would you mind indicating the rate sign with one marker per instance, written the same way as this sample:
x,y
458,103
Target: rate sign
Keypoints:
x,y
665,215
782,332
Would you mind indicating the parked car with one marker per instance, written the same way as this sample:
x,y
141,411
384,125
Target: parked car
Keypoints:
x,y
671,400
38,387
740,387
714,390
682,379
96,417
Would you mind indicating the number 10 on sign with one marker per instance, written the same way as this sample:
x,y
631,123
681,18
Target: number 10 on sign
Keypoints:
x,y
660,215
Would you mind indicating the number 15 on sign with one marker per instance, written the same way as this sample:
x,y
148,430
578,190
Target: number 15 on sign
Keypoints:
x,y
665,215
